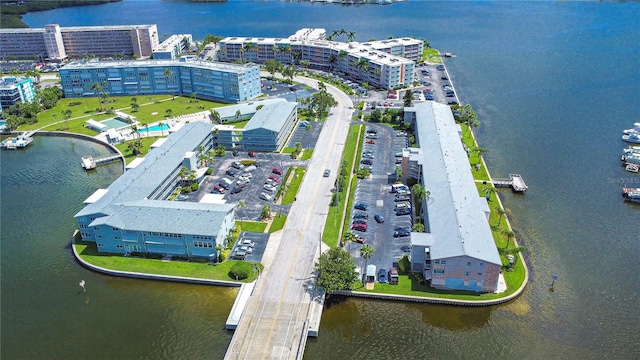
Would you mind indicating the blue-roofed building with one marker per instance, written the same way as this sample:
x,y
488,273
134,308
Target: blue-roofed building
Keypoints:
x,y
270,123
208,80
133,215
14,90
457,250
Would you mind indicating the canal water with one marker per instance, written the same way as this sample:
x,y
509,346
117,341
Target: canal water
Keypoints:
x,y
554,83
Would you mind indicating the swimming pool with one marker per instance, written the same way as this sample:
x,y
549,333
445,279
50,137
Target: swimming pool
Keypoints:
x,y
156,127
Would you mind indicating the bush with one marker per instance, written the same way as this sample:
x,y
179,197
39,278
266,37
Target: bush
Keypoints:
x,y
195,187
404,265
209,171
241,270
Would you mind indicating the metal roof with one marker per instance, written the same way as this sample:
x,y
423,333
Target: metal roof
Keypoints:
x,y
455,215
271,117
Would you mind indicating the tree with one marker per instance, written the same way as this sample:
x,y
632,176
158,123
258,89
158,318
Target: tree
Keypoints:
x,y
168,113
351,35
419,193
167,76
134,130
289,72
161,127
219,250
272,67
488,191
366,252
398,172
135,146
241,206
502,212
193,96
509,235
348,237
407,98
418,227
336,271
305,63
66,114
97,87
215,116
183,174
146,126
361,64
265,213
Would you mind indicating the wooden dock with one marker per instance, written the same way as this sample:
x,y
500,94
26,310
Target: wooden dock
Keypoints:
x,y
515,182
89,163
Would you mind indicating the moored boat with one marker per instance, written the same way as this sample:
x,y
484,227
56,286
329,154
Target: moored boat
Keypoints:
x,y
631,194
633,137
636,129
634,168
19,142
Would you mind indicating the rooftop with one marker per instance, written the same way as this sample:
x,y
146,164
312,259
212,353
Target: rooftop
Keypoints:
x,y
456,218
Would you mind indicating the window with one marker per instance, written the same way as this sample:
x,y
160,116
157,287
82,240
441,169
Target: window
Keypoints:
x,y
479,274
438,271
466,273
469,263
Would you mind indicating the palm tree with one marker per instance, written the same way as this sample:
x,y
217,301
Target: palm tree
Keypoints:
x,y
183,174
134,130
98,89
366,252
67,115
215,116
502,212
362,65
168,113
241,206
167,75
488,191
265,213
351,35
219,250
509,235
161,127
146,126
348,237
418,227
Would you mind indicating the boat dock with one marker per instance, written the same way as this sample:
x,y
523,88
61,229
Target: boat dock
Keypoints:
x,y
18,142
515,182
89,163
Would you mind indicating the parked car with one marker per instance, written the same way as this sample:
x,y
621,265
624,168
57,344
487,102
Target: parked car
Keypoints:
x,y
403,205
401,233
360,215
271,182
236,189
429,96
393,276
403,211
379,218
252,153
370,141
269,188
382,276
274,178
366,162
245,248
238,165
219,189
243,182
361,206
359,227
359,239
402,198
265,196
276,170
231,173
359,221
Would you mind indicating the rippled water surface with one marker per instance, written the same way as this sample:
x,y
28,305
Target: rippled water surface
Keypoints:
x,y
554,83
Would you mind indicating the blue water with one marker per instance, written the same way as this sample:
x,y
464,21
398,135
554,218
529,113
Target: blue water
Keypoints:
x,y
156,127
553,83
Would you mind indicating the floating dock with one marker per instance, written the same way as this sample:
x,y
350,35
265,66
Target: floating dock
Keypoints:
x,y
18,142
515,182
89,163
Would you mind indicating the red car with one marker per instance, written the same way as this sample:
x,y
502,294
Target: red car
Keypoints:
x,y
359,239
252,153
275,178
359,226
370,141
220,189
276,171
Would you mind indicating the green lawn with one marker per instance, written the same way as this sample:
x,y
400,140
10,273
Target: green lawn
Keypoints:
x,y
146,146
293,185
152,109
252,226
331,234
278,223
195,269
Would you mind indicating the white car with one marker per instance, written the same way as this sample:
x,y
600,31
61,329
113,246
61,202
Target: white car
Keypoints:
x,y
269,188
265,196
245,248
271,183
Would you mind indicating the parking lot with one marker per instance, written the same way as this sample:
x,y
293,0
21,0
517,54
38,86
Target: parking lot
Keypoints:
x,y
375,192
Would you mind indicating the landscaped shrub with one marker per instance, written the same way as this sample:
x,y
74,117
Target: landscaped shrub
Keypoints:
x,y
195,187
209,171
241,270
404,265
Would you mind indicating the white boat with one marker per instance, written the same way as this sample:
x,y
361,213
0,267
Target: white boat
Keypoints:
x,y
631,150
631,194
636,129
632,137
634,168
19,142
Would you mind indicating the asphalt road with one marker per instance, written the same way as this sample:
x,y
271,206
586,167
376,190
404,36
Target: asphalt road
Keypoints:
x,y
275,319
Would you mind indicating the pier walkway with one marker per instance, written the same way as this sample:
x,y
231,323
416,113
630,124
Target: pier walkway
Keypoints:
x,y
89,163
515,182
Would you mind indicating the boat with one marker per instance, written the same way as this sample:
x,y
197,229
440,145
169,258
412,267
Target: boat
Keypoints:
x,y
633,137
636,129
19,142
631,194
631,158
634,168
631,150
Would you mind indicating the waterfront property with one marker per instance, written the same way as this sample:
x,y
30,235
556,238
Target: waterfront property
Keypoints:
x,y
173,46
56,43
207,80
14,90
270,123
457,250
383,64
133,214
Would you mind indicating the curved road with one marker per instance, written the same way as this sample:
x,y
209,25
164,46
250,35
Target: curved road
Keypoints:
x,y
274,324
